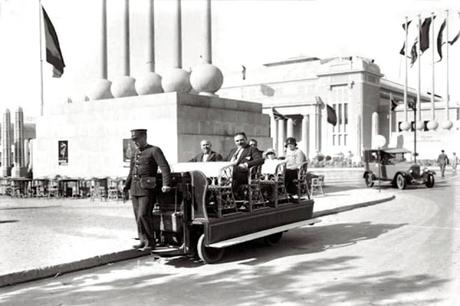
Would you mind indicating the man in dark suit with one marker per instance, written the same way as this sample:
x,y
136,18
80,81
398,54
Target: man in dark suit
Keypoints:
x,y
244,157
141,182
206,155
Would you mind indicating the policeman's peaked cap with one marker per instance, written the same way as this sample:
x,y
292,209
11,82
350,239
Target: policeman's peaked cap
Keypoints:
x,y
138,133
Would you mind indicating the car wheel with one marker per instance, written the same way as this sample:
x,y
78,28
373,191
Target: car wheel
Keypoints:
x,y
368,180
401,181
208,255
273,239
429,181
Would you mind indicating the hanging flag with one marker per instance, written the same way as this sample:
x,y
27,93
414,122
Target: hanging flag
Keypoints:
x,y
53,50
425,34
413,53
440,39
331,115
394,104
278,115
403,49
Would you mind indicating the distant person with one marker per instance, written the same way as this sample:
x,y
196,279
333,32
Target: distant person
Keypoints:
x,y
253,143
442,161
454,162
244,157
294,158
141,183
206,154
270,154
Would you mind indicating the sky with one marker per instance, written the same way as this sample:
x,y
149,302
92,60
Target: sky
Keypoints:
x,y
244,32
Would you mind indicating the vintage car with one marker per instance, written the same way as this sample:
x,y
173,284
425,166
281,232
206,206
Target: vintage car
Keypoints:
x,y
391,165
202,216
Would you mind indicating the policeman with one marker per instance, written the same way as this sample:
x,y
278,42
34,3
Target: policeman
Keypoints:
x,y
141,182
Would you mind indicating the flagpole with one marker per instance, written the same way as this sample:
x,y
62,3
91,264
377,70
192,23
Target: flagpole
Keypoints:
x,y
389,116
419,69
447,66
432,70
406,77
40,16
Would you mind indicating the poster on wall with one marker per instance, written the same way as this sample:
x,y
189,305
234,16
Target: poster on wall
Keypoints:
x,y
128,149
63,152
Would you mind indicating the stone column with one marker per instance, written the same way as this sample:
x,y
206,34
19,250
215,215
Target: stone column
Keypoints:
x,y
305,132
374,127
125,40
19,139
6,143
318,128
176,35
151,38
207,37
103,73
274,131
290,127
281,138
26,153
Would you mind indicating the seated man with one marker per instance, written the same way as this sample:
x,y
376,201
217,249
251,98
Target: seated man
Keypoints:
x,y
244,157
294,158
206,155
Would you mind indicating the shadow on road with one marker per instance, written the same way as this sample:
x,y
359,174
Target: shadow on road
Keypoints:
x,y
8,221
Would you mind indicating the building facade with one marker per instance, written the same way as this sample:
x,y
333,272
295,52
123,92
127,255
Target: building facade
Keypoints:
x,y
354,87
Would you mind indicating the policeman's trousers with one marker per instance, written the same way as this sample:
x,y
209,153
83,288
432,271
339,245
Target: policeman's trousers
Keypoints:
x,y
143,206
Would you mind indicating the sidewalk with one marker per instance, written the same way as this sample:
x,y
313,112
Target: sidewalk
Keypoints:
x,y
44,238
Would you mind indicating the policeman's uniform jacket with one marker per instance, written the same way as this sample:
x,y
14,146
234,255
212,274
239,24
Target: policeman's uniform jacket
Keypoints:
x,y
212,156
144,164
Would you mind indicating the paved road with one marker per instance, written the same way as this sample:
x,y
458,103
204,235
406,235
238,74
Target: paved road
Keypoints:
x,y
403,252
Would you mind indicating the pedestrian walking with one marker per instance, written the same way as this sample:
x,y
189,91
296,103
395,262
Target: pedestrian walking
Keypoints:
x,y
442,161
454,162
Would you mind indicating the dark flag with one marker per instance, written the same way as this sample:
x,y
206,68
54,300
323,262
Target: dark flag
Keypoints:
x,y
440,39
394,104
53,50
425,34
277,114
413,53
403,49
331,115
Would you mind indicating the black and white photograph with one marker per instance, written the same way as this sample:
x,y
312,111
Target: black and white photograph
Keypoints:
x,y
229,152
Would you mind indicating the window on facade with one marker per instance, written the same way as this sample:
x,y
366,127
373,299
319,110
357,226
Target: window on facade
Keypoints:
x,y
340,98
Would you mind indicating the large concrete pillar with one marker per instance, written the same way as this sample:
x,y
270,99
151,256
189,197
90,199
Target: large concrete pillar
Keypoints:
x,y
176,35
26,153
281,137
318,128
290,127
6,143
374,127
305,132
125,40
151,37
207,35
103,43
19,137
274,131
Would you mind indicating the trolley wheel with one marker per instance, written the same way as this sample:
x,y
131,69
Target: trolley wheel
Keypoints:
x,y
401,182
273,239
208,255
429,181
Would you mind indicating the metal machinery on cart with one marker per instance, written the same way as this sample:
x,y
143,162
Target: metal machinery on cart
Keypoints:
x,y
200,216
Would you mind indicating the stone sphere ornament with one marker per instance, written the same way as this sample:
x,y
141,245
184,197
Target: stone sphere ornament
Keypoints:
x,y
405,126
447,125
149,84
432,125
206,79
176,79
124,87
420,125
99,90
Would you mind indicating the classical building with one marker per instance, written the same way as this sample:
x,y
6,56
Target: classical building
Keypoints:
x,y
294,93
